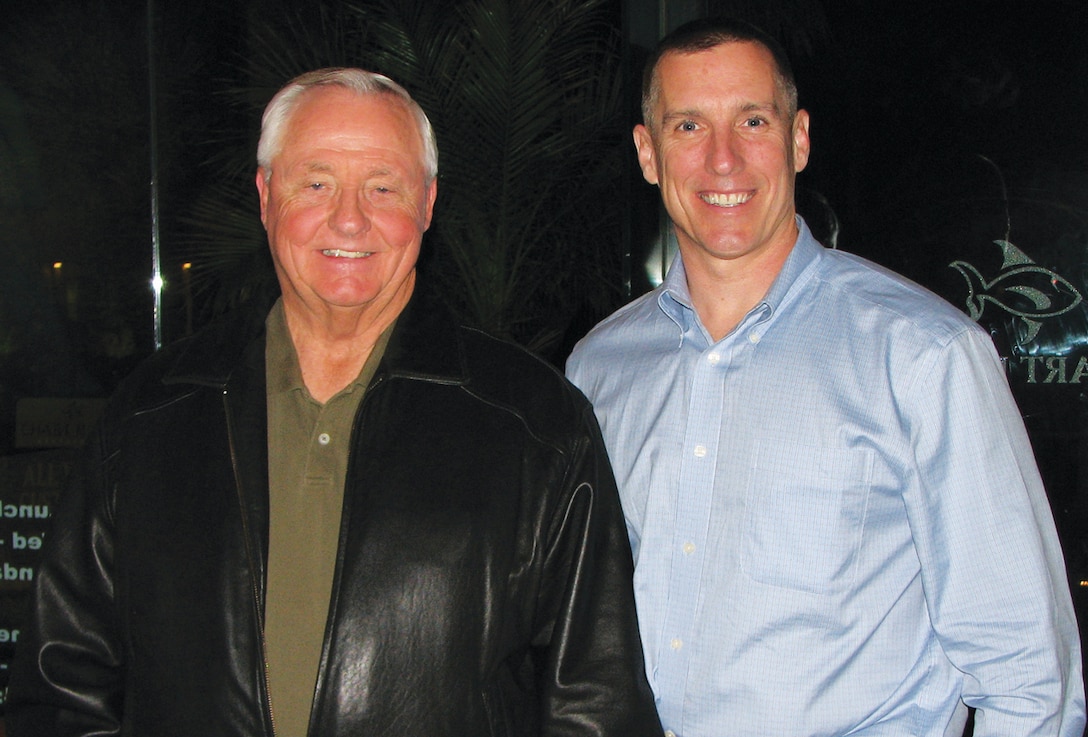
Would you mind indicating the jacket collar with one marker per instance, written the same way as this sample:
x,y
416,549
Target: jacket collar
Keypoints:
x,y
425,345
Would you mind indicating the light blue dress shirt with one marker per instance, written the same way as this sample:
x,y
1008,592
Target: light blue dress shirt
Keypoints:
x,y
837,521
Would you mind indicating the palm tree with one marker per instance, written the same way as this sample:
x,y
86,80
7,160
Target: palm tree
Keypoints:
x,y
526,102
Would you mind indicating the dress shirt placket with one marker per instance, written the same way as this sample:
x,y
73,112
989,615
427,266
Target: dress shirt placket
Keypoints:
x,y
695,501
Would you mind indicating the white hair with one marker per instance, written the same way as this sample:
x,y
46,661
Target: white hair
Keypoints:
x,y
279,110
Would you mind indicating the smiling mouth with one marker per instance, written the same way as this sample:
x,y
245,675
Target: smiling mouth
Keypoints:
x,y
337,253
725,200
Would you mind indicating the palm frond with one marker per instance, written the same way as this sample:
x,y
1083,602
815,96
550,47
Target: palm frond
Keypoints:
x,y
525,100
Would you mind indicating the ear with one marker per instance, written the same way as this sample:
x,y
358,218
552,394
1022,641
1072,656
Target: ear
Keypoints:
x,y
801,143
647,156
263,190
432,194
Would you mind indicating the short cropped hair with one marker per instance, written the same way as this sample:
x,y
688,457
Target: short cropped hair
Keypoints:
x,y
705,34
283,105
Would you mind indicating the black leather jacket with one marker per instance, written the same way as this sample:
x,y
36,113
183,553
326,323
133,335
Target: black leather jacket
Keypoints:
x,y
483,580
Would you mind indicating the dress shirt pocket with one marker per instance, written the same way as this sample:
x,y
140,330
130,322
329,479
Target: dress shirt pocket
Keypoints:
x,y
805,515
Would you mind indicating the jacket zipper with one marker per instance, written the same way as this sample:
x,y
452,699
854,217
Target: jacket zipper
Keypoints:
x,y
334,593
252,567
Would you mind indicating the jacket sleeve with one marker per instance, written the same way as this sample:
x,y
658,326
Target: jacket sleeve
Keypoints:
x,y
67,673
592,680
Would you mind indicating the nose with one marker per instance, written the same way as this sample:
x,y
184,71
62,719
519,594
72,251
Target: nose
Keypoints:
x,y
723,154
349,216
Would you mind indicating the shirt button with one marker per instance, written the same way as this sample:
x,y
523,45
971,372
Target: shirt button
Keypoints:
x,y
689,548
324,438
670,733
700,451
676,643
753,338
713,359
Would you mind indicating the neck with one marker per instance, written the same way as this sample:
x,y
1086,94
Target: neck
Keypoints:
x,y
723,304
334,346
723,291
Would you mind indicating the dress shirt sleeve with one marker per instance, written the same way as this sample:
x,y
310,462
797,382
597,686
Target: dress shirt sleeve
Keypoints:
x,y
67,678
590,671
992,568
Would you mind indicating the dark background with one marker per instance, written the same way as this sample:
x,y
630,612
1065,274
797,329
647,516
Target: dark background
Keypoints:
x,y
937,128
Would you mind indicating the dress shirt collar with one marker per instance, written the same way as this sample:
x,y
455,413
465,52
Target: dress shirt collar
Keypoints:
x,y
675,298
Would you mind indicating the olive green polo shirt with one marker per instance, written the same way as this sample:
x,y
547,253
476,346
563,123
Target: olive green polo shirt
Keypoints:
x,y
308,449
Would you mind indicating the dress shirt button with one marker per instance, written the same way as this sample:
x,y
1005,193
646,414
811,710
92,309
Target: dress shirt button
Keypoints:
x,y
753,338
688,548
676,643
324,438
670,733
700,451
713,359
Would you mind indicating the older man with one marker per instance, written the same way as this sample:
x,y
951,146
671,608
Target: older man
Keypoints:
x,y
350,517
838,524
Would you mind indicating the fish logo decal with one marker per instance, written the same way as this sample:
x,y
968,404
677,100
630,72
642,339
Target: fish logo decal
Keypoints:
x,y
1021,288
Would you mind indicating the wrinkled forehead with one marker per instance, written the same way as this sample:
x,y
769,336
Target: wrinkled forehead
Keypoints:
x,y
344,121
730,68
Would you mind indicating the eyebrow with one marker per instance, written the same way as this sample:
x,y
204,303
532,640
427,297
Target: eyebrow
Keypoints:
x,y
771,108
322,167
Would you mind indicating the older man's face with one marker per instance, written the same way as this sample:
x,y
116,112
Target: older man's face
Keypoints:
x,y
347,203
